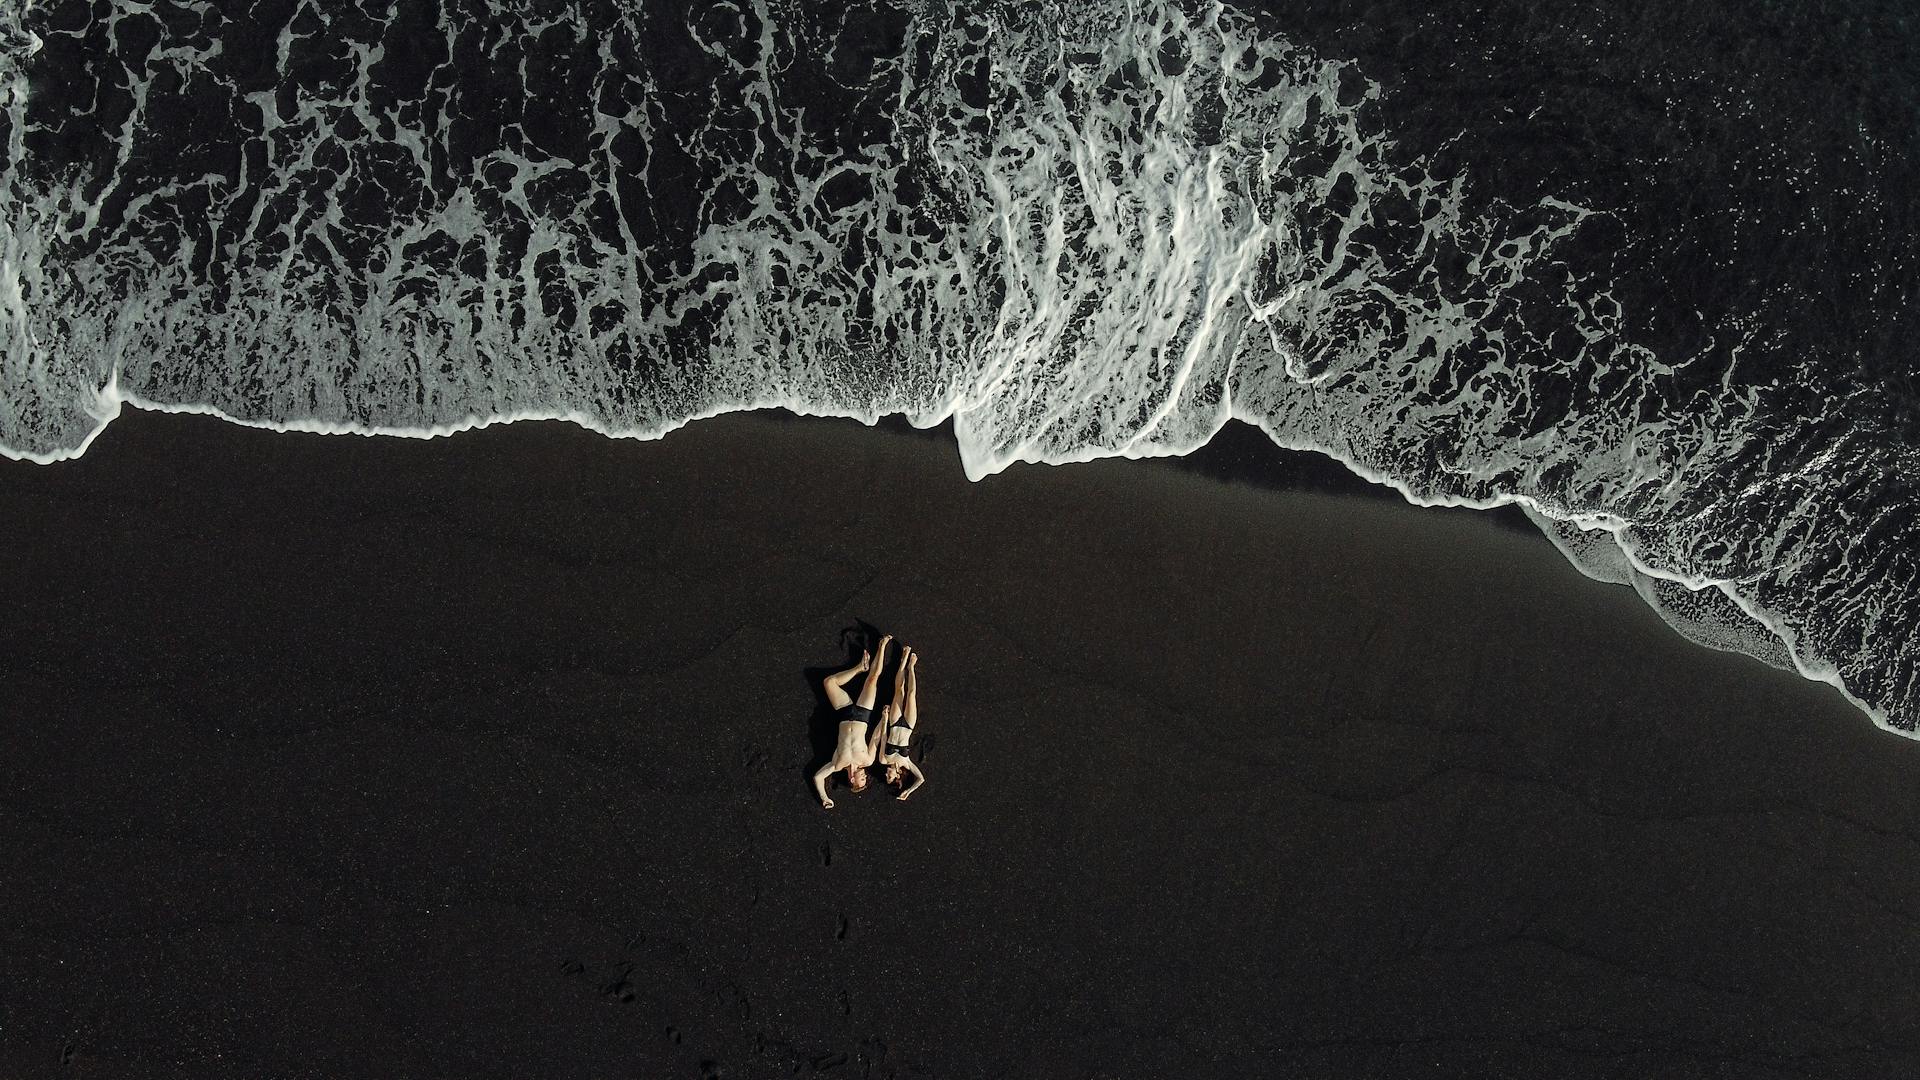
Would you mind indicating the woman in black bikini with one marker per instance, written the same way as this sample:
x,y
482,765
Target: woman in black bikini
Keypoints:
x,y
859,740
899,722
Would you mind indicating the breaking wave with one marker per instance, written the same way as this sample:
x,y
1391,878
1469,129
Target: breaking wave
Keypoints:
x,y
1078,229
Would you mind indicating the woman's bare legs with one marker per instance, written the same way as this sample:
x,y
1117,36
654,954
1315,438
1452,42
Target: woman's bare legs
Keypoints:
x,y
913,689
900,679
836,683
912,718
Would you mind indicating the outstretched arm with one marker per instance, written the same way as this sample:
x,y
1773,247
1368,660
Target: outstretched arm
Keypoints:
x,y
918,779
820,784
877,731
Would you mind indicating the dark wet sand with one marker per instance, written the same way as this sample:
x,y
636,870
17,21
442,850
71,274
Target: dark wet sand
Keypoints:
x,y
488,756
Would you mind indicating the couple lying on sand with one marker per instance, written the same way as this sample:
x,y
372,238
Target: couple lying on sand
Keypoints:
x,y
858,747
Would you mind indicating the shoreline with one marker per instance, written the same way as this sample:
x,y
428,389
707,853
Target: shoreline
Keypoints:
x,y
1240,452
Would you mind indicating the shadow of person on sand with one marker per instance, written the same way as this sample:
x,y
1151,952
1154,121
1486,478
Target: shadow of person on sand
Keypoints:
x,y
824,727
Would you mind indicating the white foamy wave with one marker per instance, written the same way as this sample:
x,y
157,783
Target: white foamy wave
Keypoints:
x,y
1707,616
1078,229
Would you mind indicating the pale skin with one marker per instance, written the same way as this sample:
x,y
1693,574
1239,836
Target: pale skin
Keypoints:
x,y
858,743
907,717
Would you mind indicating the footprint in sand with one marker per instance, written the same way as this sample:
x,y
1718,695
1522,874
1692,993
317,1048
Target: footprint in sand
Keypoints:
x,y
621,987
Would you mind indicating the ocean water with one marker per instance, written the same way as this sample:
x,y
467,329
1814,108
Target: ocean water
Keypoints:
x,y
1647,273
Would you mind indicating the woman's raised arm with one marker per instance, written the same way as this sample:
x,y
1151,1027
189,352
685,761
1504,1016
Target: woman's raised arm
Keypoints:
x,y
918,779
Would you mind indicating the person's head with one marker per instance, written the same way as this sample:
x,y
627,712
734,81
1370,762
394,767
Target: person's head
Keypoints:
x,y
896,775
857,777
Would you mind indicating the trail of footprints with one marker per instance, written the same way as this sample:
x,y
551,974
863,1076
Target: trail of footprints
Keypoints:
x,y
616,983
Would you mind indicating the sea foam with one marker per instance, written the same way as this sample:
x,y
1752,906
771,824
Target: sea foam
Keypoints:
x,y
1079,230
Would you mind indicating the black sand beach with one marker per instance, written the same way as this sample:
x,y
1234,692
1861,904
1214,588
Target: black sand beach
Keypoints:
x,y
489,756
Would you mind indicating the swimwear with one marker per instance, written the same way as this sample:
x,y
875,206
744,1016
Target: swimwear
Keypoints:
x,y
894,747
856,714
